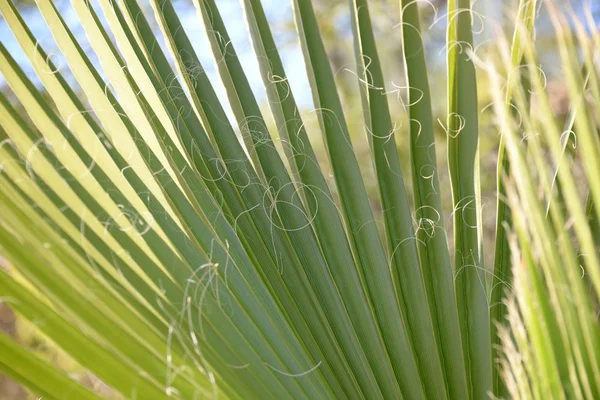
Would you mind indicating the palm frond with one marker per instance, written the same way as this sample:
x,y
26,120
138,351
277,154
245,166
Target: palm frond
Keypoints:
x,y
175,252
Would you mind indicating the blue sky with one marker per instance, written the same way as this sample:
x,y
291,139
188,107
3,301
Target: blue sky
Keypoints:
x,y
231,10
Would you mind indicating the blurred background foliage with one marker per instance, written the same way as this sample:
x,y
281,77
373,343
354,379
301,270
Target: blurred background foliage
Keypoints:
x,y
490,21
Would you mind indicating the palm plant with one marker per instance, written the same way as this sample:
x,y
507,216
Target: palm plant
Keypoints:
x,y
172,259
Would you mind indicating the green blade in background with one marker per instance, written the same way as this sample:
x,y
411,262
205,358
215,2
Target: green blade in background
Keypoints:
x,y
502,273
38,375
